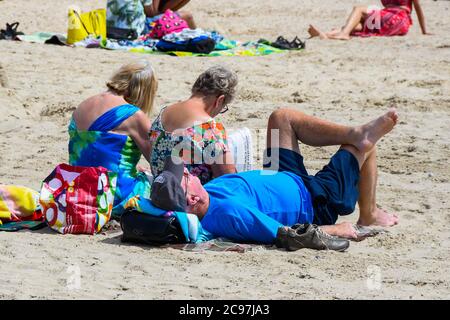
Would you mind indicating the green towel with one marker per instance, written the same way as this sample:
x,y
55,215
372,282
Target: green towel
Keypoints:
x,y
249,49
16,226
44,37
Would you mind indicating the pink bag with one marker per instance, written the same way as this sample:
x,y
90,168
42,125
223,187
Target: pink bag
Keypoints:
x,y
170,22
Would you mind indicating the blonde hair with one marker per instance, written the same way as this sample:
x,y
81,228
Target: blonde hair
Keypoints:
x,y
137,83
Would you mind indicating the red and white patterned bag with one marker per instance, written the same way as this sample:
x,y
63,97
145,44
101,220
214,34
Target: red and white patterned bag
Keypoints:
x,y
78,199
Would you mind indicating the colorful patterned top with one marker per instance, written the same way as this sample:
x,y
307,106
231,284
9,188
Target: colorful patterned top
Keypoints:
x,y
116,152
199,146
127,14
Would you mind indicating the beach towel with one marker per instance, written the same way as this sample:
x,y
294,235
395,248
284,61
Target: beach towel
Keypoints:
x,y
44,38
218,245
18,203
224,47
23,225
19,209
145,44
248,49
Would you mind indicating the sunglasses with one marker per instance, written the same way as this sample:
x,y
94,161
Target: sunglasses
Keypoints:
x,y
186,176
224,109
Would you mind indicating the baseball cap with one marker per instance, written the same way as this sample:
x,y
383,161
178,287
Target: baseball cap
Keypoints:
x,y
167,192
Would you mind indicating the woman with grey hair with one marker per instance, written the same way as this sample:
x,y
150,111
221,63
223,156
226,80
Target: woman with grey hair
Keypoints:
x,y
188,130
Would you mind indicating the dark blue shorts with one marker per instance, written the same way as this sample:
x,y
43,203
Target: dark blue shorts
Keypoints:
x,y
334,189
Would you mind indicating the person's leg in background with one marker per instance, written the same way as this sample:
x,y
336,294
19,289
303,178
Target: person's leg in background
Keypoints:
x,y
173,5
354,23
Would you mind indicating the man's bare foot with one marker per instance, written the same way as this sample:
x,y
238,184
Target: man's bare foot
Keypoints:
x,y
339,36
314,32
379,217
343,230
366,136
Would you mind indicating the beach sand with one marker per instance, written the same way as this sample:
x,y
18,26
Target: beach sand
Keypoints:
x,y
346,82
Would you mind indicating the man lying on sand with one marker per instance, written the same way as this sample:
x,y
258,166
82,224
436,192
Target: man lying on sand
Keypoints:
x,y
257,206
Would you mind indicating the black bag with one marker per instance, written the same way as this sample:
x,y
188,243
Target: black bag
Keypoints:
x,y
121,34
139,227
200,44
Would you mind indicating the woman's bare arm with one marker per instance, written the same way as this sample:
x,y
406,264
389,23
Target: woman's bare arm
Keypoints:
x,y
138,130
227,165
420,16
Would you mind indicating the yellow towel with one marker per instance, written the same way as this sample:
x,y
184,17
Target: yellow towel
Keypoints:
x,y
17,202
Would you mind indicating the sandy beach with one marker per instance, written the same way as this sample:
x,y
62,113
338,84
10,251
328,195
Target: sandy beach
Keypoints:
x,y
346,82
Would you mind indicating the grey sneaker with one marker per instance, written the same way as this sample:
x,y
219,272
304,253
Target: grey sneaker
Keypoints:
x,y
309,236
281,239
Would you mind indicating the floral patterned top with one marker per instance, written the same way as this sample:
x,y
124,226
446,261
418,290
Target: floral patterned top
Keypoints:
x,y
199,146
127,14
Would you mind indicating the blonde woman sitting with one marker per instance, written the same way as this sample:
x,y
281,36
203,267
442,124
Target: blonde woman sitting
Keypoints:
x,y
111,129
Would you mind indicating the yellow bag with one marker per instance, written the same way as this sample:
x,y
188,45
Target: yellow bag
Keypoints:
x,y
88,23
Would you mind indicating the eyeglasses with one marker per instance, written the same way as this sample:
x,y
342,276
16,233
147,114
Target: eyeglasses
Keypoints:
x,y
186,175
224,109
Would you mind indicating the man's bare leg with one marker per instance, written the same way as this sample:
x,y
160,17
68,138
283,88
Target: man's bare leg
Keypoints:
x,y
294,126
369,213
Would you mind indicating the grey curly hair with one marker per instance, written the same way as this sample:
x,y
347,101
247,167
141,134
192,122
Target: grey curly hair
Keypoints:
x,y
216,81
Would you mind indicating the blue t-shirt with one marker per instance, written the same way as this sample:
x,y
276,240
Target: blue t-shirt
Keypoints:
x,y
251,206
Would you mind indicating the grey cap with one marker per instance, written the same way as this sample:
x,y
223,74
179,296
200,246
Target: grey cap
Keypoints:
x,y
167,192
